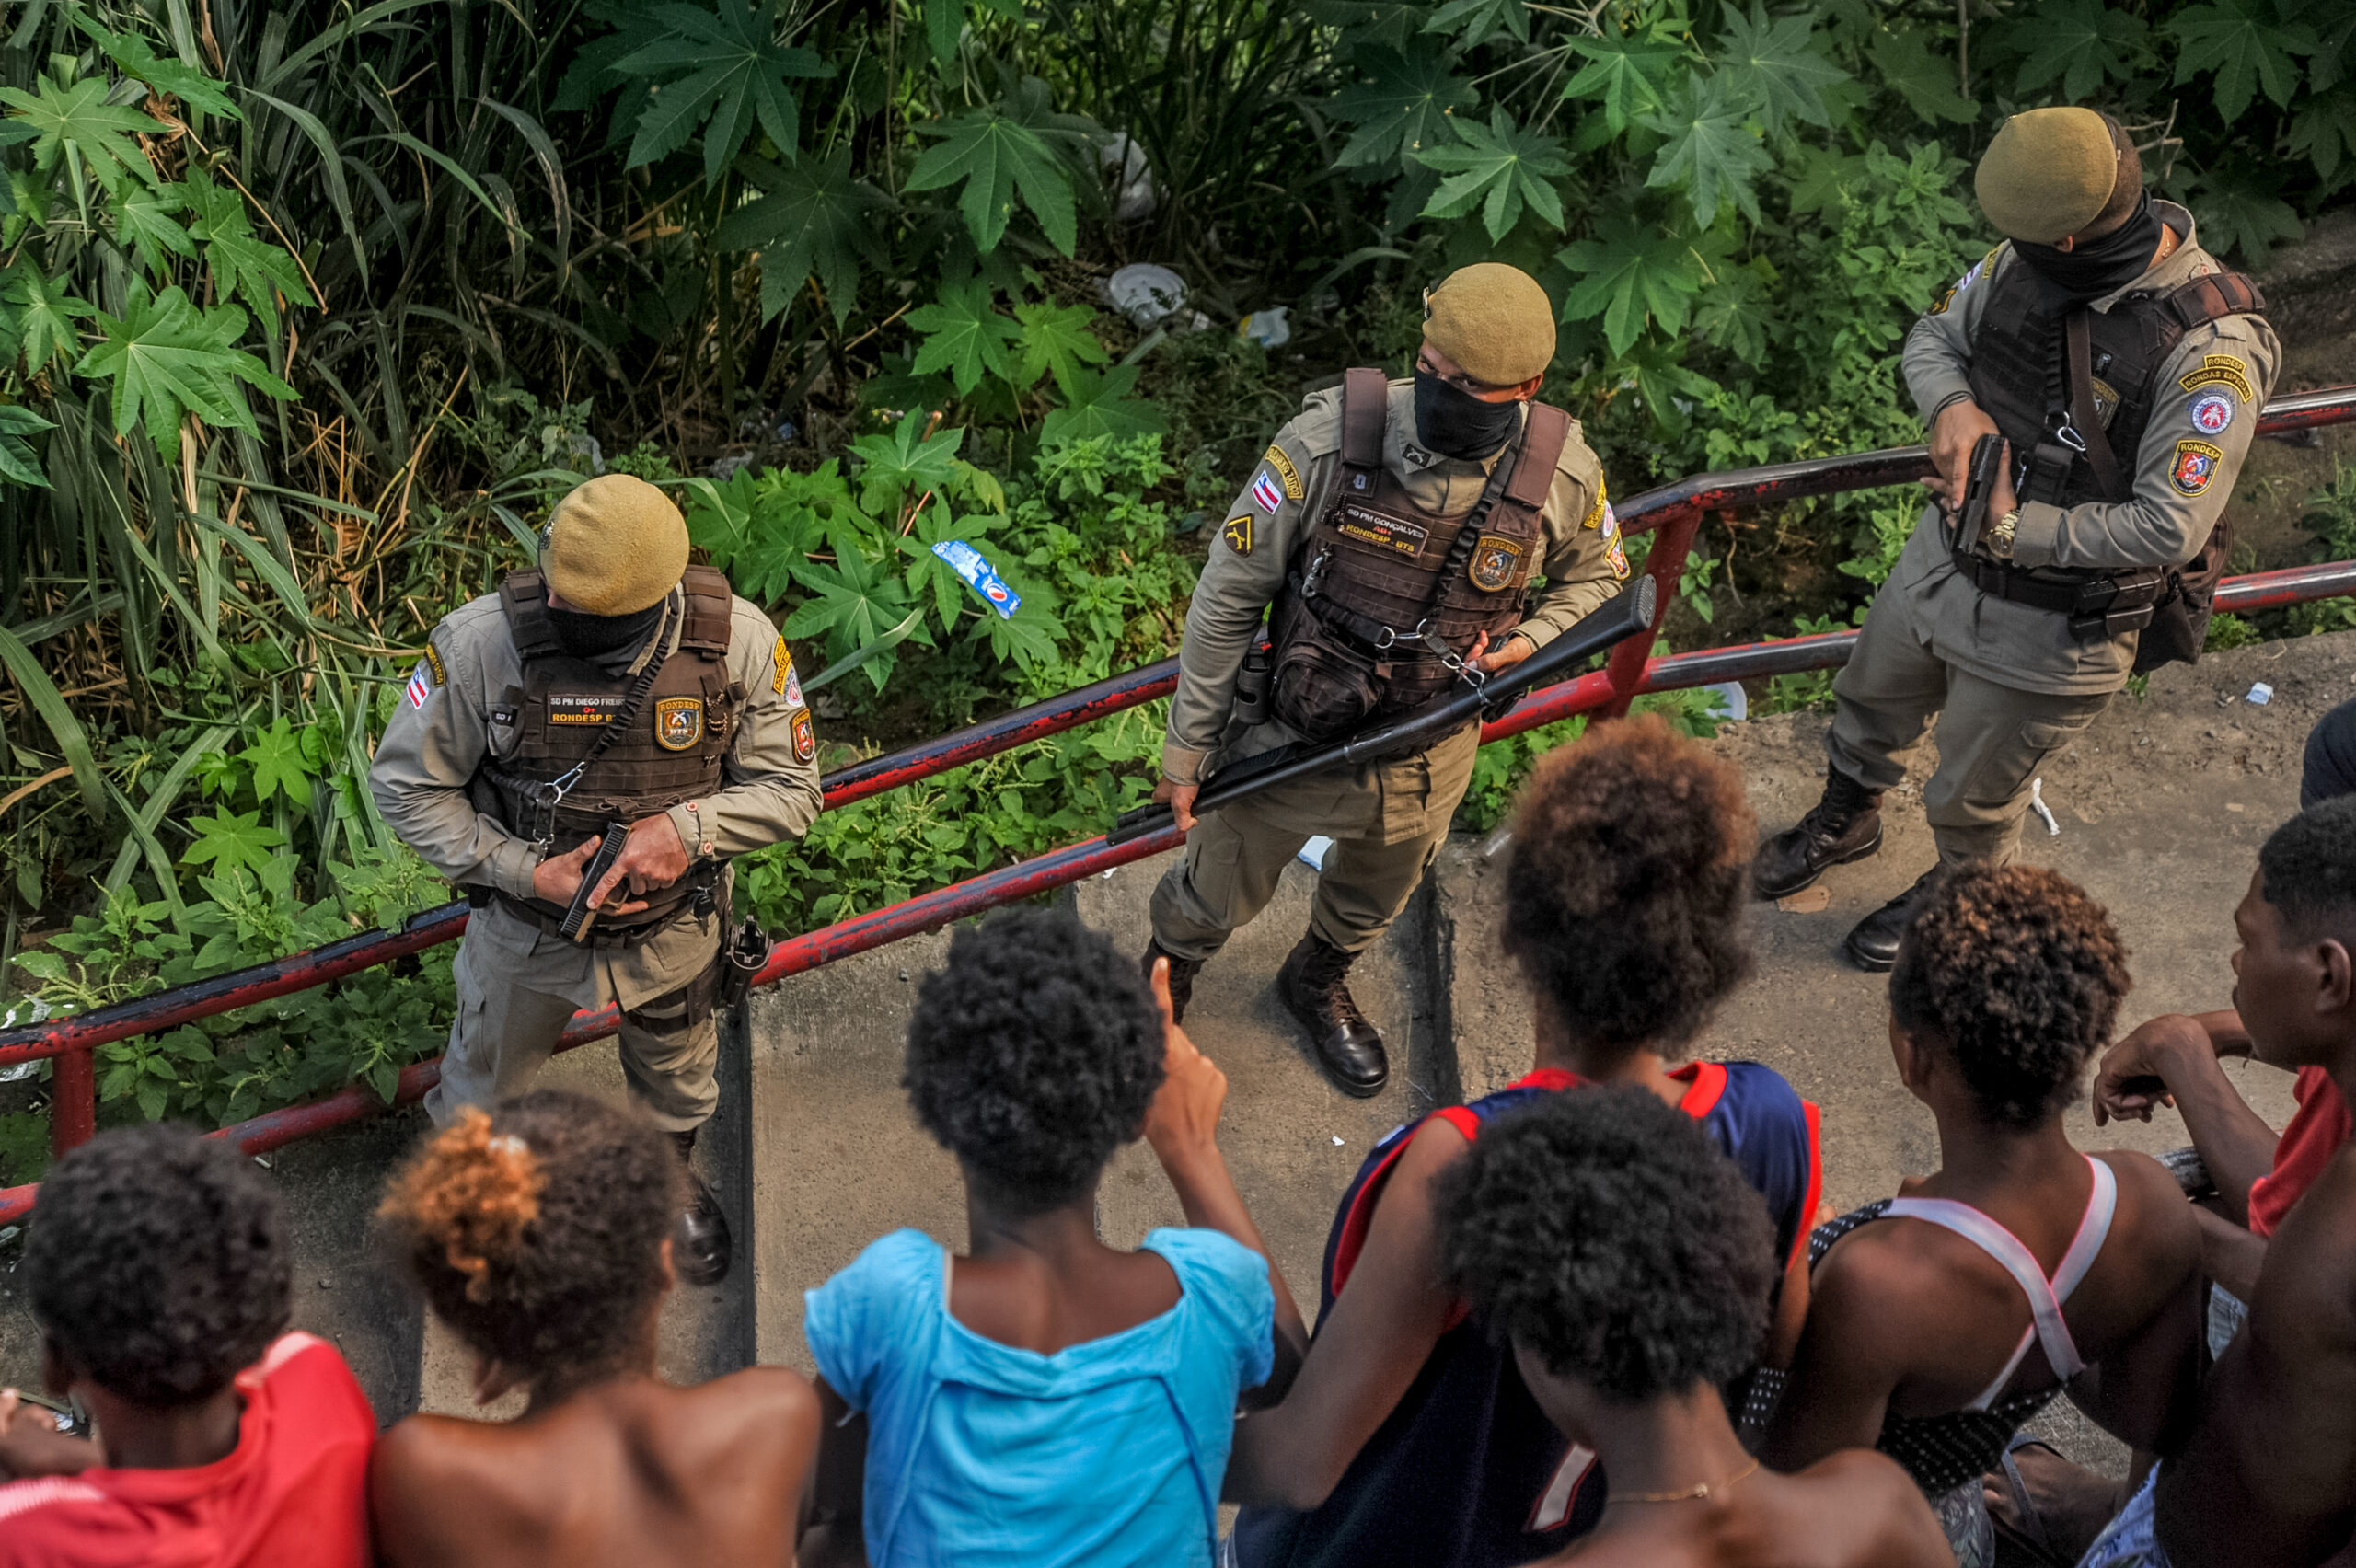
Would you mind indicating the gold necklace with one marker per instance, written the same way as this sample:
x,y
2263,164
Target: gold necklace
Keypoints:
x,y
1688,1494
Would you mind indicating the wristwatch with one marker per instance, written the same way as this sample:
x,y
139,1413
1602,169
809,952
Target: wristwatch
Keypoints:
x,y
2000,535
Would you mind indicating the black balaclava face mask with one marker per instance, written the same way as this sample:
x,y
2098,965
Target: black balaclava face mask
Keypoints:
x,y
2087,272
1455,424
586,636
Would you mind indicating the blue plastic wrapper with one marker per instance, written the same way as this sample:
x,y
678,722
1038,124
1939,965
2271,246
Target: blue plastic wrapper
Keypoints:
x,y
980,576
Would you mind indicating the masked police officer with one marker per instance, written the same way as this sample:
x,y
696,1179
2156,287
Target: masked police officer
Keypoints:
x,y
614,683
1393,533
2124,370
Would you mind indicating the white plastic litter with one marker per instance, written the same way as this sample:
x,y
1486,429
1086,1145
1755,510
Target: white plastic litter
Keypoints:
x,y
34,1010
1138,196
1146,293
1737,702
2045,812
1494,846
1266,328
1313,853
2261,693
1337,1143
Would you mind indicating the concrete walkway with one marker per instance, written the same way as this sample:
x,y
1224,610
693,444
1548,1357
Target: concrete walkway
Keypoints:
x,y
2162,806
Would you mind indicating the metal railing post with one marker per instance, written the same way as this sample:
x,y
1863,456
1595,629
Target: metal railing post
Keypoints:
x,y
73,1101
1671,542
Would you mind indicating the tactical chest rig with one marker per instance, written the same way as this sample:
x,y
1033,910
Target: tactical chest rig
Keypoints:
x,y
2073,391
1385,600
592,748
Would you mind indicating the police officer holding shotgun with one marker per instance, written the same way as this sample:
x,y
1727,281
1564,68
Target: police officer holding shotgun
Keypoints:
x,y
612,685
1393,533
2116,372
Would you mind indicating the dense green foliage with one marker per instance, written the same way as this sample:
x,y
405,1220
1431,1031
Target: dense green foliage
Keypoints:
x,y
308,310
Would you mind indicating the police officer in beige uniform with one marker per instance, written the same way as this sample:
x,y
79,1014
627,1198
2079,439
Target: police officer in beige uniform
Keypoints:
x,y
2125,370
1394,533
612,683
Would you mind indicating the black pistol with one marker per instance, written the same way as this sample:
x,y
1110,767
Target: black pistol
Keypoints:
x,y
1979,485
580,916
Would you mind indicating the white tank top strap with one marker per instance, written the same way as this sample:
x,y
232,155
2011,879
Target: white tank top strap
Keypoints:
x,y
2045,1297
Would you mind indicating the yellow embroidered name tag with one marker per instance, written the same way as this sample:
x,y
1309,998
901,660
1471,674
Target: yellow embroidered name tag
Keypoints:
x,y
1275,458
2221,370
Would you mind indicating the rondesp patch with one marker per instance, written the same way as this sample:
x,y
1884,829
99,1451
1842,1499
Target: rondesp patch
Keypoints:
x,y
678,723
2196,463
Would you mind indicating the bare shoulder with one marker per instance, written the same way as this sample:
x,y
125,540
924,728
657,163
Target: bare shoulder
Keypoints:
x,y
2151,1203
1879,1283
429,1469
1890,1526
771,1411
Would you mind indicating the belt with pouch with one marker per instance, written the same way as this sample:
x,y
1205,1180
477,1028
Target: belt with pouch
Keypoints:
x,y
703,877
2099,609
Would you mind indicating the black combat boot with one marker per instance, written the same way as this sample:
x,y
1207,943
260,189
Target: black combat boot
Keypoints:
x,y
1348,1048
701,1245
1182,976
1845,825
1873,945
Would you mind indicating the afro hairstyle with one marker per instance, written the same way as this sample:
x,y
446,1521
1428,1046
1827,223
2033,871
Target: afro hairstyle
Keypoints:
x,y
1034,1055
2018,976
1627,895
157,1263
535,1230
1602,1231
2308,868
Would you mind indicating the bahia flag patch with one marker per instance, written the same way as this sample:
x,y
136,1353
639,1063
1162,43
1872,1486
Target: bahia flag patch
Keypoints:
x,y
1265,493
420,688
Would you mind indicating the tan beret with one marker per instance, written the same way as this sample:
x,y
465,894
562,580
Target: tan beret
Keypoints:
x,y
2047,174
1493,321
614,546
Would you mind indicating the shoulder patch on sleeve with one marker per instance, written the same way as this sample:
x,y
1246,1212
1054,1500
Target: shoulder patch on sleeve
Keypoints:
x,y
805,736
1275,458
434,664
1595,513
1238,532
2196,463
2221,370
419,687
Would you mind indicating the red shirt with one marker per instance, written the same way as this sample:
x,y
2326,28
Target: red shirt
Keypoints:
x,y
2317,1128
294,1491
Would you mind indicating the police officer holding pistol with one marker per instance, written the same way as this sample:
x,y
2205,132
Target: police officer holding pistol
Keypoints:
x,y
1393,538
2120,371
611,684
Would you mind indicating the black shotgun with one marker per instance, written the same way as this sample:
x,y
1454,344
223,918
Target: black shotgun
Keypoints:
x,y
1628,616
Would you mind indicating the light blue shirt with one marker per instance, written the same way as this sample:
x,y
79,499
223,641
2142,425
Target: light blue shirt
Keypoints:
x,y
1108,1452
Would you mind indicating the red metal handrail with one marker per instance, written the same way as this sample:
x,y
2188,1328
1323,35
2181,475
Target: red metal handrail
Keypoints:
x,y
1672,513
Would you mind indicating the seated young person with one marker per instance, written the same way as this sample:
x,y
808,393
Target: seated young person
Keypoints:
x,y
1940,1321
1043,1398
2269,1478
1630,1267
540,1234
1408,1438
157,1269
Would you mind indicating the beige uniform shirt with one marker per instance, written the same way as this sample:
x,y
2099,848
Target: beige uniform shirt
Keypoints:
x,y
441,733
2224,369
1584,566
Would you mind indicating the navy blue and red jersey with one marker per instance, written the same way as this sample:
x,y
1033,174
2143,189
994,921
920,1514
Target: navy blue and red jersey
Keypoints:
x,y
1467,1471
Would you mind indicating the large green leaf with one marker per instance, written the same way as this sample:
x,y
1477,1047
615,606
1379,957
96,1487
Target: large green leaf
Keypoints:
x,y
965,335
143,224
723,70
19,464
79,124
811,220
1925,79
230,839
2236,215
134,57
1630,272
45,314
1498,167
1476,21
998,150
1631,77
1055,339
2323,129
2244,45
168,358
900,467
2079,43
1771,67
1101,405
279,767
244,266
1400,107
1708,149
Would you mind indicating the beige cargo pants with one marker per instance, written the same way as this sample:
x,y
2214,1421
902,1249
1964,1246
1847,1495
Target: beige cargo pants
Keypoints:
x,y
519,986
1387,821
1992,738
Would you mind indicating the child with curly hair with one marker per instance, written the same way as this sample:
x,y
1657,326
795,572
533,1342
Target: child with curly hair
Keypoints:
x,y
1942,1319
540,1232
158,1270
1630,1267
1408,1438
1042,1398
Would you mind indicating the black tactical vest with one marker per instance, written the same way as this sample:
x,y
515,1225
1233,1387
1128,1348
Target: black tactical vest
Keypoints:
x,y
2018,371
671,750
1378,579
